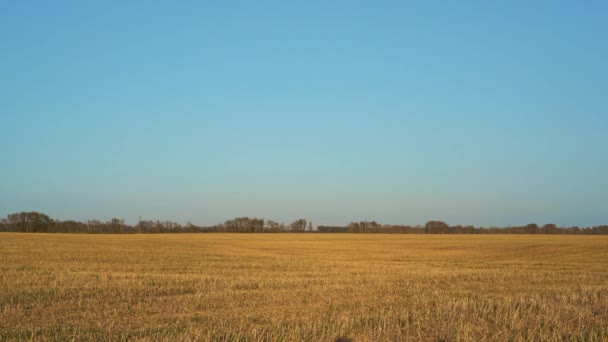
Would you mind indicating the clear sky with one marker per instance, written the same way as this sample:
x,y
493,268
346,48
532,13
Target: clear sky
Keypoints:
x,y
472,112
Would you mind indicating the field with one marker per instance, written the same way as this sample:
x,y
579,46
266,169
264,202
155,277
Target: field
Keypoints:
x,y
312,287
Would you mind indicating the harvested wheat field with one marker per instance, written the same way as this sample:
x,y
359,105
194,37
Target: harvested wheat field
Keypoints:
x,y
310,287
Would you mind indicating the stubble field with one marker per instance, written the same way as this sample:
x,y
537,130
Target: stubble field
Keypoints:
x,y
311,287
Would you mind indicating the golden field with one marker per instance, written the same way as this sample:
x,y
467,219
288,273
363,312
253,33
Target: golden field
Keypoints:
x,y
310,287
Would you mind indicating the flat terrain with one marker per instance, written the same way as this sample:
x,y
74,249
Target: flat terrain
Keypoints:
x,y
313,287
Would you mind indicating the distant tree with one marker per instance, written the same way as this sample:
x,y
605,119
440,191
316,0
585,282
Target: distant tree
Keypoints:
x,y
4,225
191,228
116,225
365,227
437,227
145,226
601,230
30,221
353,227
274,226
550,228
531,228
69,226
298,225
243,225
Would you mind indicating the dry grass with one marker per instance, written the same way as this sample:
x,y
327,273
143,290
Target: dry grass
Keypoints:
x,y
313,287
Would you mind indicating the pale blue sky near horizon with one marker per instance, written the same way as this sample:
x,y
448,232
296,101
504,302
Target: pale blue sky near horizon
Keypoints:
x,y
471,112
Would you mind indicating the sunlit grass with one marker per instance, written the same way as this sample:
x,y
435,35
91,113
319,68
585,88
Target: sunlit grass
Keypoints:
x,y
312,287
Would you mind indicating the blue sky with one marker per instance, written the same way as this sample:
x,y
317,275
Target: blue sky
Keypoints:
x,y
472,112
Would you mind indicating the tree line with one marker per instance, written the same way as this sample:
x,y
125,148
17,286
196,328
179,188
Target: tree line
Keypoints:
x,y
440,227
39,222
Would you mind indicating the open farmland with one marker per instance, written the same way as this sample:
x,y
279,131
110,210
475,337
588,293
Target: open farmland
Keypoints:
x,y
313,287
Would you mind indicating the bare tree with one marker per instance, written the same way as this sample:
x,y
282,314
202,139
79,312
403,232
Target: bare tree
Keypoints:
x,y
298,225
30,221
